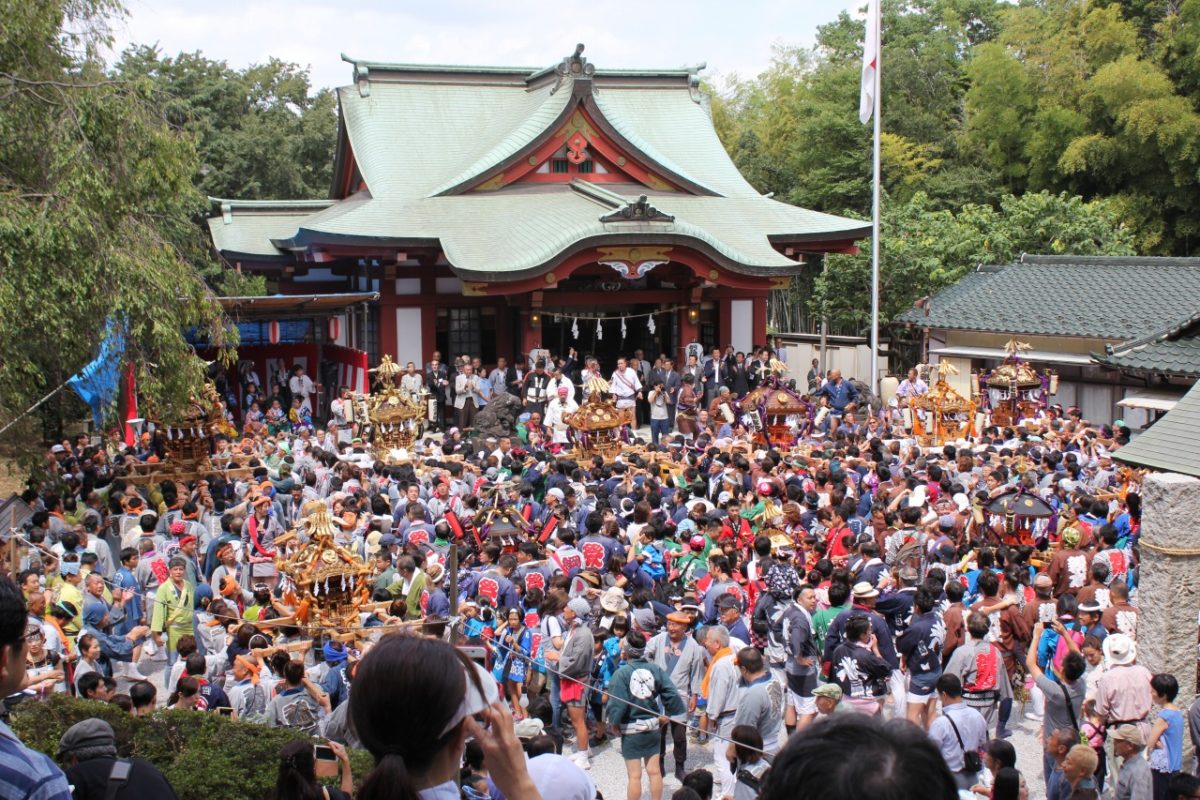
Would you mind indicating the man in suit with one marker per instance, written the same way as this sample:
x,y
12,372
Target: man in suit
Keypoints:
x,y
437,379
672,384
641,366
739,376
694,369
714,376
514,379
760,367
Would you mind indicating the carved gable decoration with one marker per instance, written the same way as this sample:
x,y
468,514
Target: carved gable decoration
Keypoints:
x,y
573,66
639,210
632,263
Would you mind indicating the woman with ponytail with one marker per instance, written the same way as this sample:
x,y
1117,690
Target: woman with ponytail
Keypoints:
x,y
298,773
414,705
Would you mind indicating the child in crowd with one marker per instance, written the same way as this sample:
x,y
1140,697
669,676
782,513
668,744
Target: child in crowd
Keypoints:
x,y
745,748
1165,744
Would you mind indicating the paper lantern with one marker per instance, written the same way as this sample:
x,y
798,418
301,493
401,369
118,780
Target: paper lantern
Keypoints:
x,y
273,332
335,328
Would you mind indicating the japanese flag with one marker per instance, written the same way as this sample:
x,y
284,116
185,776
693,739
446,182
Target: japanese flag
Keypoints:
x,y
870,65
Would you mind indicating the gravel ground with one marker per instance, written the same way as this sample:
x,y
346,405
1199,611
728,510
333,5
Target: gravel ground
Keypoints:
x,y
608,768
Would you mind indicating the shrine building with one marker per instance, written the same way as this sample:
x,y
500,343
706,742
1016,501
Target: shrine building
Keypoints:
x,y
496,210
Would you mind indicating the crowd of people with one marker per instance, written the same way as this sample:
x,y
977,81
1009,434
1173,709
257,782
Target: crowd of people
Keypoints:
x,y
694,397
844,618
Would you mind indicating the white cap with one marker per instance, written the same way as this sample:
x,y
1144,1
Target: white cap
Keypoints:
x,y
474,701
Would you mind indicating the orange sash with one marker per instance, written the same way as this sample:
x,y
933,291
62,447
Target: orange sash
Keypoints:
x,y
724,651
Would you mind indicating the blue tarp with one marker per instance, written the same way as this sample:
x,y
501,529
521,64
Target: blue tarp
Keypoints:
x,y
97,383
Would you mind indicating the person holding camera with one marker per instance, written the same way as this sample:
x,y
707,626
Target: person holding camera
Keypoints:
x,y
960,732
660,422
298,762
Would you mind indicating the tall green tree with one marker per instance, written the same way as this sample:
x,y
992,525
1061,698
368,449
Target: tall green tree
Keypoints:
x,y
925,248
1078,98
97,215
261,132
794,129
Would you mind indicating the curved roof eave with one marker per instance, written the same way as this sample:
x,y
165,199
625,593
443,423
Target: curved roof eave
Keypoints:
x,y
604,239
305,237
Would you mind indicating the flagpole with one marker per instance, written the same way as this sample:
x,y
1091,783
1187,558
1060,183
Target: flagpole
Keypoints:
x,y
878,45
35,406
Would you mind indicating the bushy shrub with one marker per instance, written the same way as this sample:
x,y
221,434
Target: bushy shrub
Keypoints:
x,y
203,755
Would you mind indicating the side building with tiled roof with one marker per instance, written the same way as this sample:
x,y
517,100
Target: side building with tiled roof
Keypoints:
x,y
499,210
1120,331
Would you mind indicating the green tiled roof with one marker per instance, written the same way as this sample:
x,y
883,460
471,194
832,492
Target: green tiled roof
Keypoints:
x,y
246,227
1102,297
420,134
1174,350
1173,443
484,238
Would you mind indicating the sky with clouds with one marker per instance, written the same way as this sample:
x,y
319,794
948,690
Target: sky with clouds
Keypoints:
x,y
732,38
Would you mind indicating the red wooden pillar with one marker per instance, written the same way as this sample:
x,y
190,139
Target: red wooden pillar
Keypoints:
x,y
504,327
429,308
760,320
429,330
724,323
387,317
531,333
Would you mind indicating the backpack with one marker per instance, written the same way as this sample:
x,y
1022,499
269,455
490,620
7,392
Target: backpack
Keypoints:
x,y
1060,647
747,778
